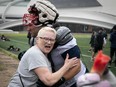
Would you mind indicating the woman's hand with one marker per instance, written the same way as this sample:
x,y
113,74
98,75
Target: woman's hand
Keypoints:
x,y
69,63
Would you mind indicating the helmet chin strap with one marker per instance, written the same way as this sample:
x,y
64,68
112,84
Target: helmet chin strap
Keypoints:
x,y
57,15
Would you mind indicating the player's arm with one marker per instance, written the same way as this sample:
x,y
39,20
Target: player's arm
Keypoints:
x,y
73,52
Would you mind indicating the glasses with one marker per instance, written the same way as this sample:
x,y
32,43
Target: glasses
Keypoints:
x,y
47,39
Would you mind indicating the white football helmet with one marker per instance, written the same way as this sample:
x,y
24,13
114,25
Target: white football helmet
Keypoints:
x,y
42,12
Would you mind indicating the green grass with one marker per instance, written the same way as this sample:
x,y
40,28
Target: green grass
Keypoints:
x,y
20,40
83,42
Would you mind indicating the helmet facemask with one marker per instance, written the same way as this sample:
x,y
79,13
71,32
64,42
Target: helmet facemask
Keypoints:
x,y
30,19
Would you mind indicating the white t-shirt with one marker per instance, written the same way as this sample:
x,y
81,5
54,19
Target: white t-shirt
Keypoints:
x,y
58,59
32,59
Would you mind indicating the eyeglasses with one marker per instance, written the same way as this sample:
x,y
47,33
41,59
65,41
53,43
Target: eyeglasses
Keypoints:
x,y
47,39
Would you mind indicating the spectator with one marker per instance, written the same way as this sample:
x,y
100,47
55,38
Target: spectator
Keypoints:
x,y
113,45
4,38
35,64
29,37
98,43
11,48
92,40
105,37
105,34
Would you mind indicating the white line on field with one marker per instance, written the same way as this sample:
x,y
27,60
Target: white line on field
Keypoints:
x,y
86,55
18,41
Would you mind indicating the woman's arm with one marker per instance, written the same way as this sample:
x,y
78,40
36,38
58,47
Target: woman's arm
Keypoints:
x,y
49,78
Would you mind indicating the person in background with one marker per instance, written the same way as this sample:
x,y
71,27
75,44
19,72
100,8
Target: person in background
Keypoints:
x,y
35,65
105,37
113,46
105,34
66,43
92,41
4,38
29,37
98,43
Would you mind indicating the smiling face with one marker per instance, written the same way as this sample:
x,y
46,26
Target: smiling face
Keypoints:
x,y
46,39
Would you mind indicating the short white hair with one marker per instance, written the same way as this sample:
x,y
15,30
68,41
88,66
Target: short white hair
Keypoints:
x,y
43,29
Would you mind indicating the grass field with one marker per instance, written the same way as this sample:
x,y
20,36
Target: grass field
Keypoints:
x,y
20,40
